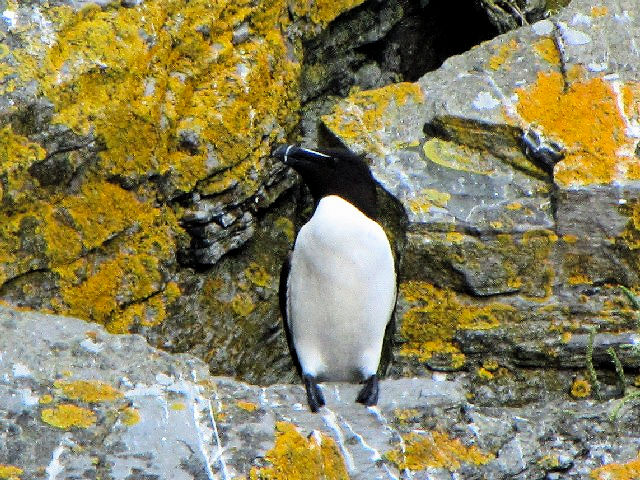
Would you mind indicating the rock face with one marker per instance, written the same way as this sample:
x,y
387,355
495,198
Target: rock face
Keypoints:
x,y
136,191
517,167
77,402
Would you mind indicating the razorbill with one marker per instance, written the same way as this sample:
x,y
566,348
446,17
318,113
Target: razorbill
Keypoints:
x,y
338,285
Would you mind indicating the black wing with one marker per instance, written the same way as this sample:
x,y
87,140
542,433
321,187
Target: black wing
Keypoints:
x,y
284,277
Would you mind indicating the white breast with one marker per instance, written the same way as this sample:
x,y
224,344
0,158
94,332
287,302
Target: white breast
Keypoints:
x,y
341,290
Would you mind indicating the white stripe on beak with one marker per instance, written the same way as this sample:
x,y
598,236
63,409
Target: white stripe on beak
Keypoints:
x,y
286,152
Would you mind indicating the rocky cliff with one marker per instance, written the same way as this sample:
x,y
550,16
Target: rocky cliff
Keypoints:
x,y
137,192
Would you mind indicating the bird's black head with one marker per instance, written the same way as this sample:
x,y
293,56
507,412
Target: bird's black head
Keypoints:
x,y
333,172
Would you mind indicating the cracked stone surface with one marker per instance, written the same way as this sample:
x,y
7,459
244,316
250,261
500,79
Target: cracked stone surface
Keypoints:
x,y
169,419
516,166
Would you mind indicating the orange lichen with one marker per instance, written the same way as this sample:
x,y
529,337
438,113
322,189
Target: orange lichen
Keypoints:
x,y
503,54
436,450
599,11
618,471
547,50
295,456
92,391
66,416
584,117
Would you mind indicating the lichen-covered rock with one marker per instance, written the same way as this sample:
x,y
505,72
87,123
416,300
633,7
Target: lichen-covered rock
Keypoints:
x,y
135,142
516,165
76,401
110,115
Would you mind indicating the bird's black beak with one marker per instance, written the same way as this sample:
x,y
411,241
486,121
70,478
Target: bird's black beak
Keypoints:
x,y
293,155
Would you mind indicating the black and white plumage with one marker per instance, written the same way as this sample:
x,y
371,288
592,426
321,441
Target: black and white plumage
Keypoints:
x,y
338,286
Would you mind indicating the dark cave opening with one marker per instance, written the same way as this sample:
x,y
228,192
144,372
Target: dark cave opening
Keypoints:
x,y
379,43
428,34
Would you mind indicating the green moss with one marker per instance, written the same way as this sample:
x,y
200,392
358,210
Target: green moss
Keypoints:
x,y
297,457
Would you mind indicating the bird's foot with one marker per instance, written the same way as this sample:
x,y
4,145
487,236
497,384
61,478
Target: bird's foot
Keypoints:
x,y
315,398
369,394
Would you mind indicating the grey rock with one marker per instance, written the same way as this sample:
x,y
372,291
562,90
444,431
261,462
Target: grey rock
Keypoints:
x,y
489,215
190,425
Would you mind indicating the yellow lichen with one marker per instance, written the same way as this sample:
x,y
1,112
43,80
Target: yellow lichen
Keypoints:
x,y
584,117
484,373
45,399
322,12
257,275
580,388
92,391
130,416
10,472
491,365
428,198
285,225
514,206
17,154
547,50
503,54
295,456
579,279
242,304
434,315
139,79
178,406
455,237
362,115
247,406
618,471
405,416
436,450
455,156
66,416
